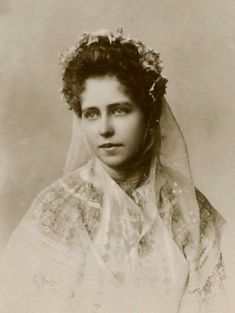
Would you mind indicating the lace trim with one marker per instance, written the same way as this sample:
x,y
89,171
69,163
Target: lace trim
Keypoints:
x,y
214,286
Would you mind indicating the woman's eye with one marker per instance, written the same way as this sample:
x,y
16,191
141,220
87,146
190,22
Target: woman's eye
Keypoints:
x,y
120,111
92,115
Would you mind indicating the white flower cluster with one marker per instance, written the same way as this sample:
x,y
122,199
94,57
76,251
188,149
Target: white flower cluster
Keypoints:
x,y
150,58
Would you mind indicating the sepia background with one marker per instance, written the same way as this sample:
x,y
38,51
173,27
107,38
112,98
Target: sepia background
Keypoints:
x,y
197,42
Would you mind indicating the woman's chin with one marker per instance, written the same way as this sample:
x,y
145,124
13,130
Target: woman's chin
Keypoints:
x,y
113,165
116,163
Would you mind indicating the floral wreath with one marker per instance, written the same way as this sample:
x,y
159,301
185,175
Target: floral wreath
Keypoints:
x,y
149,58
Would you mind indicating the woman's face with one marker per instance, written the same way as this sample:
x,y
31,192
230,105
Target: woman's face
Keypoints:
x,y
112,122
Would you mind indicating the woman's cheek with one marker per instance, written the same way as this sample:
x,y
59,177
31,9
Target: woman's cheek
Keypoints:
x,y
90,131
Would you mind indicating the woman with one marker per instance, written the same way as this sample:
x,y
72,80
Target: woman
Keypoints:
x,y
124,230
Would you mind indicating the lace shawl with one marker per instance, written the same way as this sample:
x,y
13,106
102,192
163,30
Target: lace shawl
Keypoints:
x,y
56,244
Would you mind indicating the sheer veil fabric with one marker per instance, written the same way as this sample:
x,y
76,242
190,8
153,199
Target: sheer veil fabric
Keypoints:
x,y
174,160
87,246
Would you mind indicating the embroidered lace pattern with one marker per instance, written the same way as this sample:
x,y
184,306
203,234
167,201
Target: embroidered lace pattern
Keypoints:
x,y
169,210
59,211
208,216
214,286
215,282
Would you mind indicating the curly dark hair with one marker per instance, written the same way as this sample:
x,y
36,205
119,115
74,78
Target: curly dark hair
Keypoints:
x,y
115,58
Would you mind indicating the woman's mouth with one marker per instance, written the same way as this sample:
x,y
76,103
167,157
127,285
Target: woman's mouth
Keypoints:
x,y
109,146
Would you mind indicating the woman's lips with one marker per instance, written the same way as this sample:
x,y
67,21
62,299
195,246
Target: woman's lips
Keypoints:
x,y
110,148
109,145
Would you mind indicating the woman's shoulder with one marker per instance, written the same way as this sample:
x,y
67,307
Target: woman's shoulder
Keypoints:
x,y
58,211
82,184
210,220
77,185
208,214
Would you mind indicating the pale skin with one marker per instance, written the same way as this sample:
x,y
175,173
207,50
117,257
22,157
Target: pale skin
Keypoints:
x,y
113,125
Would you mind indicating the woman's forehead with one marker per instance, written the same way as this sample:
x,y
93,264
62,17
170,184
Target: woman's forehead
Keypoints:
x,y
102,91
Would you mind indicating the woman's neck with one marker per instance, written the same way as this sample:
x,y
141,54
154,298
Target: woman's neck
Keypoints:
x,y
124,174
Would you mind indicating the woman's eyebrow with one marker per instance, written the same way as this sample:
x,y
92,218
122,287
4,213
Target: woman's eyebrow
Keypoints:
x,y
125,103
109,106
89,109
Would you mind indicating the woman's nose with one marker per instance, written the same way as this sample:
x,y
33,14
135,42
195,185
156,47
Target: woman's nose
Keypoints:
x,y
106,127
